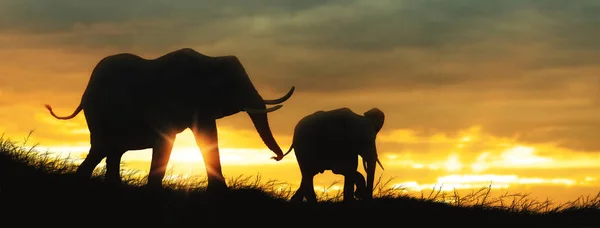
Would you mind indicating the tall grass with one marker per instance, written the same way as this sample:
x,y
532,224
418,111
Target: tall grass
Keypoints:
x,y
45,162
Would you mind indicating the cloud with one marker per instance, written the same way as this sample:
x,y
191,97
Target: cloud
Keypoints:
x,y
129,24
436,24
518,68
36,16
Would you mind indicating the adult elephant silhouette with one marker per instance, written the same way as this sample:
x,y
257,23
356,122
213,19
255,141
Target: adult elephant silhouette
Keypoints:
x,y
133,103
333,140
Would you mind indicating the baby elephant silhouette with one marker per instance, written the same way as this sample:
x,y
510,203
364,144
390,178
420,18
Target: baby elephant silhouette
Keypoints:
x,y
333,140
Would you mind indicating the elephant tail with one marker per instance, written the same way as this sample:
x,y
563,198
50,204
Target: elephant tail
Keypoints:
x,y
289,150
79,108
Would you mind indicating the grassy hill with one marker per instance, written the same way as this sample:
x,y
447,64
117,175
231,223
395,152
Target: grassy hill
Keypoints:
x,y
36,189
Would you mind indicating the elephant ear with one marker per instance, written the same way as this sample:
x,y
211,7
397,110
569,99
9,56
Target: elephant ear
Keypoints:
x,y
377,118
230,85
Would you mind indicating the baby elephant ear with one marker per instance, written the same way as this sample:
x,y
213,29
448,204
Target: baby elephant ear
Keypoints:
x,y
377,117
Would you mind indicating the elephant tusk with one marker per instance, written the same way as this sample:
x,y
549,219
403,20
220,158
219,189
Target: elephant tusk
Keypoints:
x,y
258,111
380,165
281,99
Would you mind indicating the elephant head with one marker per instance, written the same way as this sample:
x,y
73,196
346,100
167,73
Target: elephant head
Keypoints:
x,y
376,118
238,94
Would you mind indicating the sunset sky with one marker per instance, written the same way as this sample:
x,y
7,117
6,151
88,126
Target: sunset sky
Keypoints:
x,y
474,91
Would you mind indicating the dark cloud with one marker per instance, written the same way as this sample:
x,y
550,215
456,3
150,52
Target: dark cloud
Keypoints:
x,y
43,16
367,26
133,23
436,24
523,35
358,24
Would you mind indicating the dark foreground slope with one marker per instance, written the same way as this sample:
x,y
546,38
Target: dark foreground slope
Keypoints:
x,y
38,191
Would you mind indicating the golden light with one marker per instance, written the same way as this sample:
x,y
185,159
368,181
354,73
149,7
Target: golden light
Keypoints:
x,y
452,182
501,163
463,141
480,164
418,166
185,151
466,139
590,179
521,156
453,163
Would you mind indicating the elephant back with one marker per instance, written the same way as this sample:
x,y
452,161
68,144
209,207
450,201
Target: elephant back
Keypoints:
x,y
333,135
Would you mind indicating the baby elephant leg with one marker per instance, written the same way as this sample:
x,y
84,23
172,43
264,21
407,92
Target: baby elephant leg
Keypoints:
x,y
350,180
361,185
306,190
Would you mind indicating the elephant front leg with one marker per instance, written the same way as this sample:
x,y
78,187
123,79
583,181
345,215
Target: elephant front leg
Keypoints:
x,y
361,187
113,168
207,139
161,153
349,180
347,168
94,157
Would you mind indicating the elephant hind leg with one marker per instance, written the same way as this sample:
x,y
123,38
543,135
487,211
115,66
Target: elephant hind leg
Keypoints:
x,y
94,157
349,180
298,195
306,190
309,189
113,167
161,153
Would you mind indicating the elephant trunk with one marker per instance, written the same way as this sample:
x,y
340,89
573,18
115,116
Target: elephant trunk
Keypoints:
x,y
261,124
370,165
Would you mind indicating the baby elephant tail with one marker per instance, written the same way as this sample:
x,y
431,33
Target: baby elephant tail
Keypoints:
x,y
79,108
289,150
